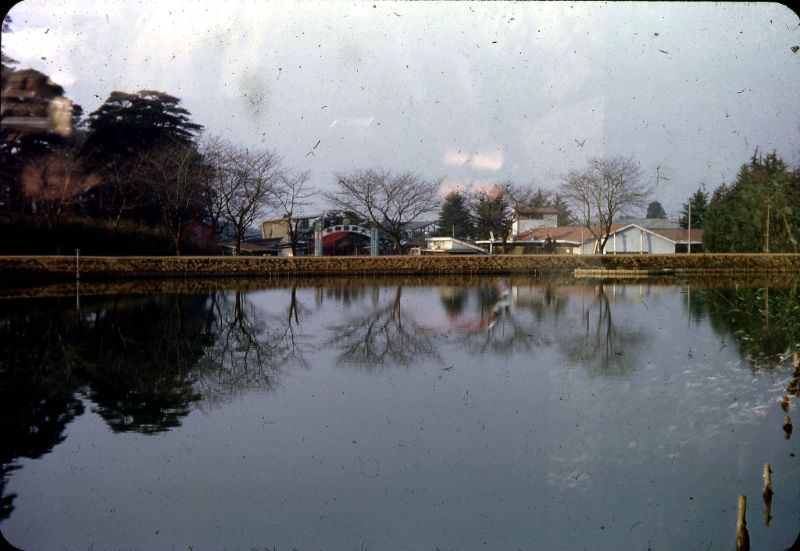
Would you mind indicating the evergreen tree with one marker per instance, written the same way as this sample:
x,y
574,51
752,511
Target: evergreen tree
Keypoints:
x,y
124,131
699,203
454,218
655,210
492,215
128,123
760,212
564,214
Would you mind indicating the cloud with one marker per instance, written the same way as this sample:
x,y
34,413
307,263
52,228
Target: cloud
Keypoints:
x,y
492,160
453,157
482,160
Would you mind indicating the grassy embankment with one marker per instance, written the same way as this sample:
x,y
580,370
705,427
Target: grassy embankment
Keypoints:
x,y
96,267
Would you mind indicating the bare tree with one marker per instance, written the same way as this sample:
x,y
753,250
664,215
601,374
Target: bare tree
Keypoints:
x,y
603,192
172,178
387,200
238,184
290,193
217,156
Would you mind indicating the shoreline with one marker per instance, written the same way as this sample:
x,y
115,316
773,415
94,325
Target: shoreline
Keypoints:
x,y
34,269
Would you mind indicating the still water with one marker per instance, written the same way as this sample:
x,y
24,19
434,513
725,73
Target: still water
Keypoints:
x,y
477,413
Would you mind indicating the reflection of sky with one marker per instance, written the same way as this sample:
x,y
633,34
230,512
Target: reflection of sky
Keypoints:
x,y
519,448
465,91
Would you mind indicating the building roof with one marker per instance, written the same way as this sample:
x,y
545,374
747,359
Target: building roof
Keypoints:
x,y
679,235
569,234
651,223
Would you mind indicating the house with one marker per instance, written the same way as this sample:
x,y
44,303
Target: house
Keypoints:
x,y
279,227
543,240
526,219
449,245
633,238
623,239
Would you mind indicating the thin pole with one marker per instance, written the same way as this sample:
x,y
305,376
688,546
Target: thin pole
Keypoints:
x,y
689,236
766,231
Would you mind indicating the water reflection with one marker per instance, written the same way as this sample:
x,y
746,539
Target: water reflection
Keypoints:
x,y
36,392
386,335
144,362
246,349
765,321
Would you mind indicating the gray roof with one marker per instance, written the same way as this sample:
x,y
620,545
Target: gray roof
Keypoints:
x,y
650,223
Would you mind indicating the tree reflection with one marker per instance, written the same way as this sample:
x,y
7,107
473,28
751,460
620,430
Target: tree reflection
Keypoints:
x,y
385,336
765,322
143,362
137,357
453,299
600,344
247,352
37,393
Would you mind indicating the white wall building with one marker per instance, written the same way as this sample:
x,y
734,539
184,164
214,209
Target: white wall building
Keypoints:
x,y
526,219
633,238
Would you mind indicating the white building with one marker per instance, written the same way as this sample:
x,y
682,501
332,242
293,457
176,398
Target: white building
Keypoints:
x,y
632,238
449,245
526,219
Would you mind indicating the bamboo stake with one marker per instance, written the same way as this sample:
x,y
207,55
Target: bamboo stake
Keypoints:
x,y
767,493
742,537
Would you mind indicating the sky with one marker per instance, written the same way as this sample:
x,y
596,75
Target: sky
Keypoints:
x,y
472,93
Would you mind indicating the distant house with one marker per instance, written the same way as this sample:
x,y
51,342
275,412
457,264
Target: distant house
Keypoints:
x,y
253,246
633,238
623,238
526,219
550,240
449,245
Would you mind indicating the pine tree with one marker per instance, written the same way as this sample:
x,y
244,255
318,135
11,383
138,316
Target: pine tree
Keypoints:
x,y
492,216
757,213
699,203
655,210
454,218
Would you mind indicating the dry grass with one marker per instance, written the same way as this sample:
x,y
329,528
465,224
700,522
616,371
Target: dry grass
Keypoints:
x,y
94,267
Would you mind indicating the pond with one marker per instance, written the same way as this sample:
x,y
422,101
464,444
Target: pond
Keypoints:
x,y
439,413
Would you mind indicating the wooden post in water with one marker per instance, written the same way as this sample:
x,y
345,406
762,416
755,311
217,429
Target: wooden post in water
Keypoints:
x,y
742,537
767,493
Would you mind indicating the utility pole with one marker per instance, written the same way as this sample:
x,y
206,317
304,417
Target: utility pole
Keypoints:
x,y
766,231
689,237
